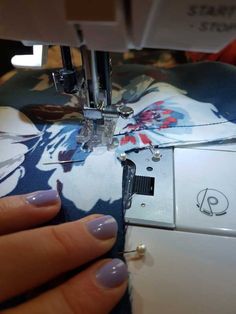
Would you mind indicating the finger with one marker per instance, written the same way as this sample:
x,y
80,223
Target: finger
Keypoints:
x,y
24,211
94,291
30,258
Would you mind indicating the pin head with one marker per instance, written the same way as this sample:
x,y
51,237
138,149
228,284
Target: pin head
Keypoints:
x,y
141,249
122,156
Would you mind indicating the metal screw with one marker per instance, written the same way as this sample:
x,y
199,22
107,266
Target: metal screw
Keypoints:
x,y
125,111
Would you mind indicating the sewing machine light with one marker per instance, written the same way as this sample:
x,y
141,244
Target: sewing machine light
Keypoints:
x,y
34,61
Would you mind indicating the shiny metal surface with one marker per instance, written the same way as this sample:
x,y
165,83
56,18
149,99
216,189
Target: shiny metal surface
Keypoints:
x,y
157,209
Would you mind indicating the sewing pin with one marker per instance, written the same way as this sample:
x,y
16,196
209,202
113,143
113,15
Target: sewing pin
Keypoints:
x,y
140,250
155,152
122,156
61,162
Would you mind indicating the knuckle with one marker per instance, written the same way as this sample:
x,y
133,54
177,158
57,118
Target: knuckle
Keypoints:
x,y
62,240
3,205
70,304
11,202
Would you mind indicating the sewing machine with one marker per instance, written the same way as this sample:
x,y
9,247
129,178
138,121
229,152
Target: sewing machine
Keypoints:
x,y
190,262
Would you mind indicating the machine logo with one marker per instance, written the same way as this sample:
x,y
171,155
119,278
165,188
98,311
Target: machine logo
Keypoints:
x,y
212,202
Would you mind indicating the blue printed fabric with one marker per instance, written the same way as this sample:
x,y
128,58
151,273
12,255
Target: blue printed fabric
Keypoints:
x,y
189,104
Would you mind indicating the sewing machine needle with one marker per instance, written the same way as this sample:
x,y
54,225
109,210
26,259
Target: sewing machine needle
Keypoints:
x,y
62,162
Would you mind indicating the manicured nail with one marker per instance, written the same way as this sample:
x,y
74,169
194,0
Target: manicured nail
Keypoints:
x,y
103,228
43,198
112,274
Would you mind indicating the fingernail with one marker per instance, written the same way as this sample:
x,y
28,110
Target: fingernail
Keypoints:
x,y
103,228
43,198
112,274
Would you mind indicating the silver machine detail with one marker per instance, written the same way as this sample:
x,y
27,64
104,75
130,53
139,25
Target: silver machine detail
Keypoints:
x,y
146,179
94,91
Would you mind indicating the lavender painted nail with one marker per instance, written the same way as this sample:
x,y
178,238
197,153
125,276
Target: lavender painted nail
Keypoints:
x,y
112,274
43,198
103,228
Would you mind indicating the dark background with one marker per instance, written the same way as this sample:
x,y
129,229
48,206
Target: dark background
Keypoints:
x,y
9,48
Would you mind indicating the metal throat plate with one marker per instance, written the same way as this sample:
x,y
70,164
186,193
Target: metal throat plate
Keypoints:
x,y
151,195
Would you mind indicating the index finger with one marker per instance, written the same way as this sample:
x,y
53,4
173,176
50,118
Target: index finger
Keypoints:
x,y
20,212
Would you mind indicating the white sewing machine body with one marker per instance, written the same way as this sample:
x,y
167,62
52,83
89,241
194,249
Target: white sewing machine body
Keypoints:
x,y
190,263
187,217
183,272
115,25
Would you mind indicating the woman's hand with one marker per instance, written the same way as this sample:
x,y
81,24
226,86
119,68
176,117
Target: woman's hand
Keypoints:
x,y
29,258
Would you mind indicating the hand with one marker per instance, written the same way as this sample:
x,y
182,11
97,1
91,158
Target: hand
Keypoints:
x,y
29,258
